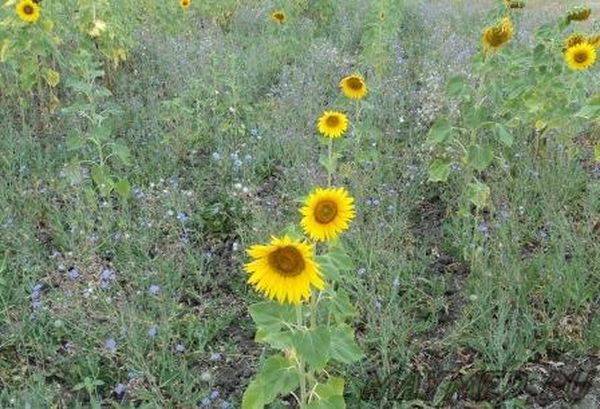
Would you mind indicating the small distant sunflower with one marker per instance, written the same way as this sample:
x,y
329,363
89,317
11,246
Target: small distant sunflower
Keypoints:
x,y
573,40
28,11
580,13
495,37
278,16
581,56
185,4
284,270
354,86
327,213
333,124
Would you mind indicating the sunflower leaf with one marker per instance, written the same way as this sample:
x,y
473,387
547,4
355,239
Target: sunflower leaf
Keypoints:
x,y
343,348
439,170
313,346
271,316
330,395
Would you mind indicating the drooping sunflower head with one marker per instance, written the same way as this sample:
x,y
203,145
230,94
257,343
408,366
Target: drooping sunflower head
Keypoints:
x,y
594,40
327,213
284,270
514,4
580,13
278,16
581,56
495,37
185,4
573,40
354,86
28,11
333,124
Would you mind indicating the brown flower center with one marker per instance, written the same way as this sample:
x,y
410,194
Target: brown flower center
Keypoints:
x,y
325,211
354,83
580,57
332,121
287,261
28,9
279,16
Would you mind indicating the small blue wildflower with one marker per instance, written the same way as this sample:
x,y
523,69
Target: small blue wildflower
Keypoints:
x,y
106,277
36,305
111,345
396,282
132,375
73,273
138,192
182,217
361,271
153,331
216,156
154,289
180,348
215,357
226,405
205,403
214,395
119,390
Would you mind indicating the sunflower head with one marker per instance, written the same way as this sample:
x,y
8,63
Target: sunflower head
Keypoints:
x,y
354,86
581,56
278,16
332,124
495,37
580,13
28,11
185,4
284,270
514,4
573,40
594,40
327,213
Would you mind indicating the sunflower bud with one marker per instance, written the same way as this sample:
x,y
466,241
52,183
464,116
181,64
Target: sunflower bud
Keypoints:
x,y
580,13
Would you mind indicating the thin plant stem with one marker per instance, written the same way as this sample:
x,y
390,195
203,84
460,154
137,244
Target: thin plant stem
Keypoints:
x,y
300,362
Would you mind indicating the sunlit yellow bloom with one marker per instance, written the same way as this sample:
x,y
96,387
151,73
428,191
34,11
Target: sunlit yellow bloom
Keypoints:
x,y
327,213
581,56
284,270
579,14
278,16
28,11
354,86
185,4
333,124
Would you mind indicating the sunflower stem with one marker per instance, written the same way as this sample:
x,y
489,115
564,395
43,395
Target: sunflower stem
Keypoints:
x,y
330,169
301,365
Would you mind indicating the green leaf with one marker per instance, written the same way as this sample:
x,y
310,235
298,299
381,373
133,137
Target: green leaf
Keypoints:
x,y
101,133
340,306
478,193
329,269
440,132
313,346
457,87
253,396
439,170
123,188
340,258
74,141
597,153
480,157
122,152
281,340
343,347
270,316
475,117
330,395
504,135
102,179
278,376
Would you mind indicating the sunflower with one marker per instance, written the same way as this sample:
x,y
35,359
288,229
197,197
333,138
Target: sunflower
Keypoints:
x,y
28,11
278,16
581,56
594,40
284,270
495,37
354,86
573,40
333,124
327,213
185,4
579,14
